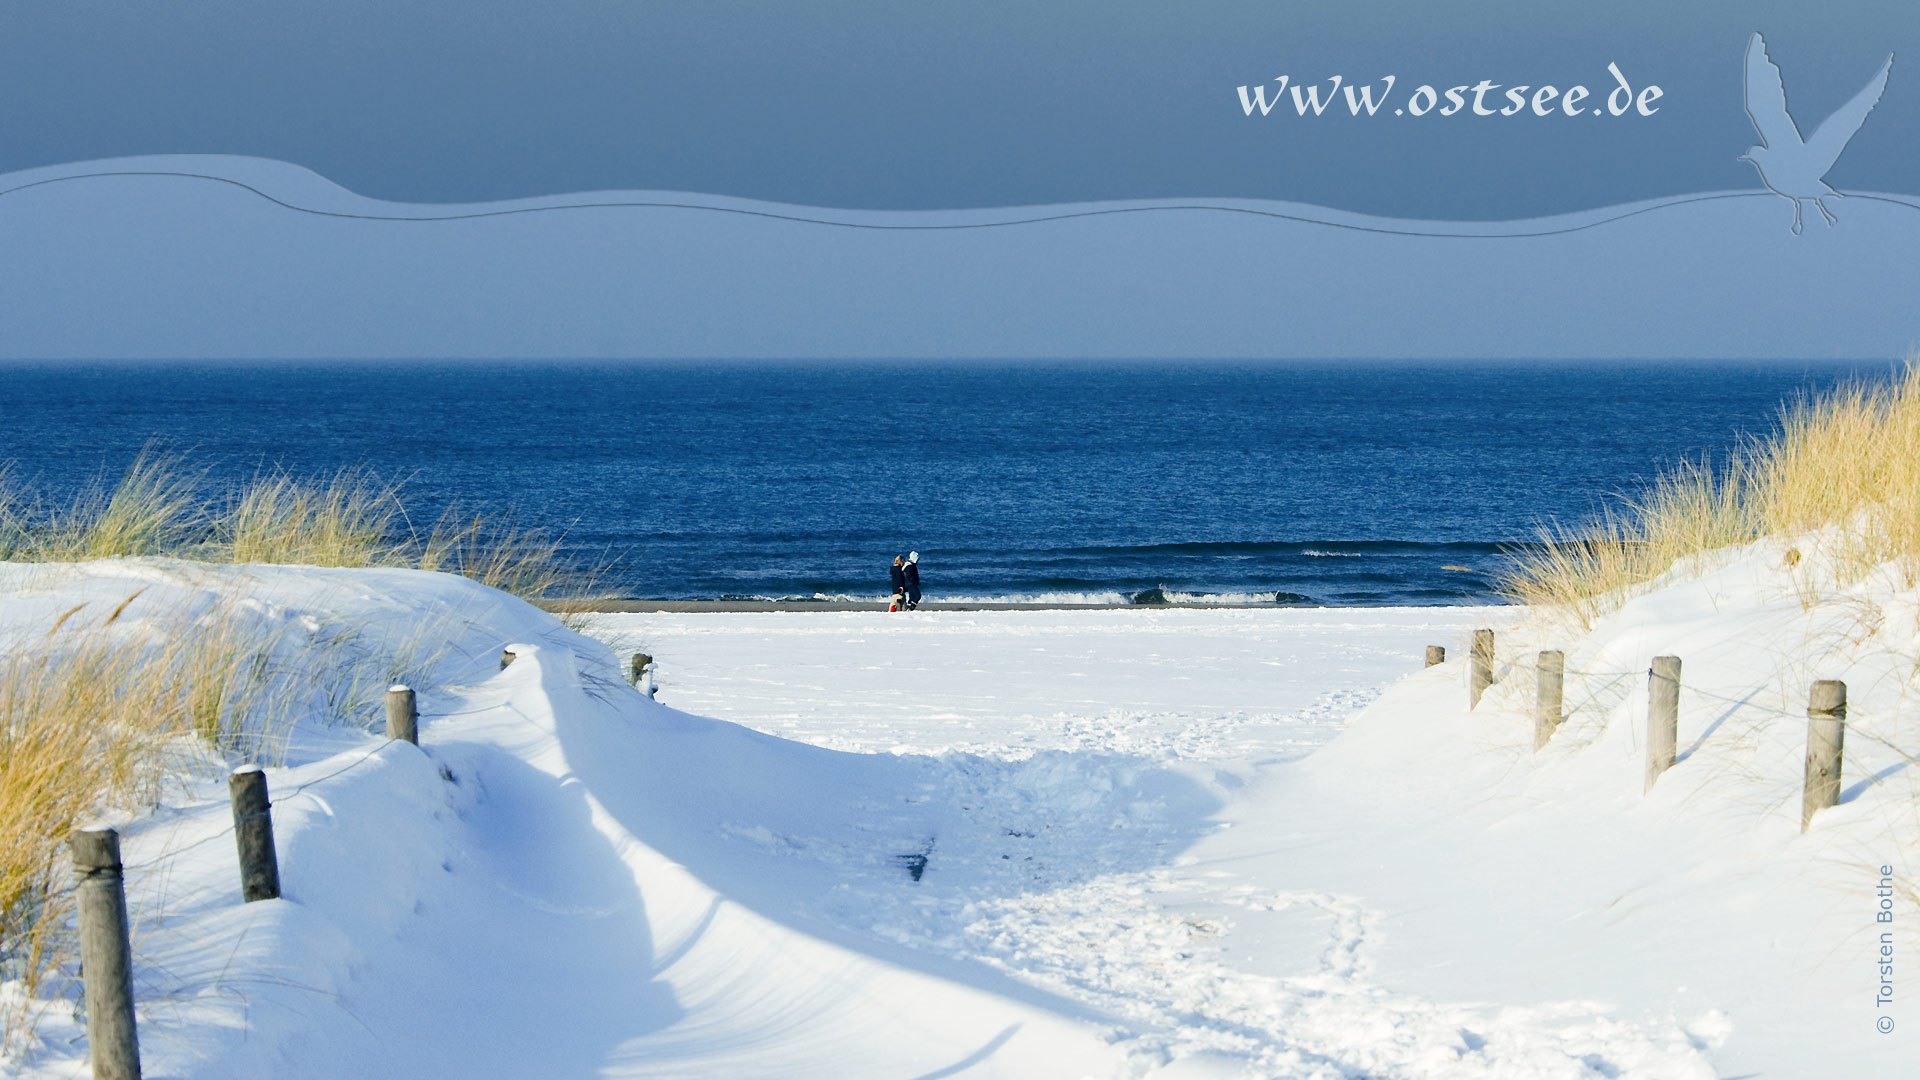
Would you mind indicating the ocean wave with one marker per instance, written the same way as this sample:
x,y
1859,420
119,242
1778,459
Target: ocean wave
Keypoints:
x,y
1284,548
1050,598
1159,596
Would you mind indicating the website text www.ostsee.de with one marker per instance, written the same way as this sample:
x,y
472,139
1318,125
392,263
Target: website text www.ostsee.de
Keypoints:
x,y
1484,98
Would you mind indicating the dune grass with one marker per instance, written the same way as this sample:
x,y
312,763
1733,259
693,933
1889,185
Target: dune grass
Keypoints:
x,y
346,520
103,709
92,720
154,509
1844,465
96,713
350,518
525,562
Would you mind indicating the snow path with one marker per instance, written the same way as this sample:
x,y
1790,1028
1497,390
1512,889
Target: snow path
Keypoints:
x,y
1262,684
1045,723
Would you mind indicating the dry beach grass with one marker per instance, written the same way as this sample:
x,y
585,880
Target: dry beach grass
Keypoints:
x,y
352,518
97,712
104,708
1845,464
91,720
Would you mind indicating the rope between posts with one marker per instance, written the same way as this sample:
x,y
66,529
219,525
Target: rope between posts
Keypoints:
x,y
177,852
228,830
355,763
1519,665
464,712
364,757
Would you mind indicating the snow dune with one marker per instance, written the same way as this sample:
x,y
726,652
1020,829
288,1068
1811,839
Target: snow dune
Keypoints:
x,y
511,900
1029,844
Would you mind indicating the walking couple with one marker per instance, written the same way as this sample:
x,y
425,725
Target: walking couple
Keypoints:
x,y
906,582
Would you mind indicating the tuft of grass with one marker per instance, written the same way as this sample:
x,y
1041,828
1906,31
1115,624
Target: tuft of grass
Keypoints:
x,y
345,520
101,709
1845,464
351,518
89,721
13,516
524,562
155,509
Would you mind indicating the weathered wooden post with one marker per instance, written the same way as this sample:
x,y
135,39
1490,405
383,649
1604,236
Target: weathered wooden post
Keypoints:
x,y
506,657
403,719
106,955
1826,732
253,834
1436,654
637,671
1479,667
1663,716
1547,703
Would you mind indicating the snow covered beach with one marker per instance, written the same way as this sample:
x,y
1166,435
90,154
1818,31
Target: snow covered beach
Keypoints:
x,y
1147,843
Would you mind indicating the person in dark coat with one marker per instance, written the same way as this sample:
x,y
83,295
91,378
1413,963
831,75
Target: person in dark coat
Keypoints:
x,y
912,571
899,582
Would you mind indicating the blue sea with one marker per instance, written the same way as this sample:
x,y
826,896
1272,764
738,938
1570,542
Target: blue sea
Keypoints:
x,y
1324,483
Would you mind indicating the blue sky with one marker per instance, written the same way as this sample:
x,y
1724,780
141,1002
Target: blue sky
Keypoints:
x,y
862,103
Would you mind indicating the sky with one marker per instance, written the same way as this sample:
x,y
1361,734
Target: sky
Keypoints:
x,y
888,104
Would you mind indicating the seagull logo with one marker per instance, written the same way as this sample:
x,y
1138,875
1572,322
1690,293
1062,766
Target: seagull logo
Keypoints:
x,y
1789,165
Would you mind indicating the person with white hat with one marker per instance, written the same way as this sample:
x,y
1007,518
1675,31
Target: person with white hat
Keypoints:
x,y
912,572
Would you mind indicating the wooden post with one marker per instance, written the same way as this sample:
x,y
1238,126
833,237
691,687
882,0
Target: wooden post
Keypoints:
x,y
1663,716
506,657
1547,704
106,956
1436,654
638,670
1480,667
253,834
1826,732
403,719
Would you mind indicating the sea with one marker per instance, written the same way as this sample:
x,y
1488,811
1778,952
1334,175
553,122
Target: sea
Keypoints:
x,y
1332,483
